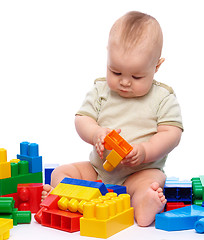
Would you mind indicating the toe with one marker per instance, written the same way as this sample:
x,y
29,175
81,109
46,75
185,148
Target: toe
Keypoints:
x,y
44,193
160,190
155,186
47,187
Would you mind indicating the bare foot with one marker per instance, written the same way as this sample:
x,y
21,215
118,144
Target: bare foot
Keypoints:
x,y
152,203
46,190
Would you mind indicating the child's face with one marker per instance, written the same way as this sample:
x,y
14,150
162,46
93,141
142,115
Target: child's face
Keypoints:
x,y
130,74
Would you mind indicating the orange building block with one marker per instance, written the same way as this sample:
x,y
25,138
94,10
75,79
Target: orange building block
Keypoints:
x,y
114,141
120,147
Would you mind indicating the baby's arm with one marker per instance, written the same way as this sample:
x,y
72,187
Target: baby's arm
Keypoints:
x,y
158,146
89,130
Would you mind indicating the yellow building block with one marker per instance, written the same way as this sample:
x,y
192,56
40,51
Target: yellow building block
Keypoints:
x,y
112,161
75,191
14,160
3,155
5,226
104,219
5,170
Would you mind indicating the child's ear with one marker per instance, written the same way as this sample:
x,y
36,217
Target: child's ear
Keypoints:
x,y
161,60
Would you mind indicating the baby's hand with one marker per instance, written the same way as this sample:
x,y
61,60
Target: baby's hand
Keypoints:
x,y
98,139
135,157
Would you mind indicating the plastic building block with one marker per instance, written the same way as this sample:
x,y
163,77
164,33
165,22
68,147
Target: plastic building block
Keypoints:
x,y
120,147
174,205
29,196
48,168
9,185
198,190
29,152
5,167
199,226
5,226
75,191
117,188
114,141
179,219
62,220
50,202
79,189
8,211
112,161
3,155
104,219
14,196
178,191
5,170
101,186
73,205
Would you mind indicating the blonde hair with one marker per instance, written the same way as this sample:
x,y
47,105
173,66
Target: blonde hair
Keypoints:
x,y
134,27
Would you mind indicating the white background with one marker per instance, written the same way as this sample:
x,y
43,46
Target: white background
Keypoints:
x,y
51,52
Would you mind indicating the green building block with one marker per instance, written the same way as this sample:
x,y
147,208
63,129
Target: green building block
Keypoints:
x,y
8,211
9,185
198,190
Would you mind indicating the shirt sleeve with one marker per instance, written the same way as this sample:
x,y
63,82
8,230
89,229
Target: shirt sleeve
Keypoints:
x,y
169,112
90,106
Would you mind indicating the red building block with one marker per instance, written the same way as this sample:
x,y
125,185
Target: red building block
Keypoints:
x,y
50,202
62,220
174,205
29,196
14,196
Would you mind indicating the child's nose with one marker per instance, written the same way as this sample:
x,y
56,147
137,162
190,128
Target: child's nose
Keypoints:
x,y
125,82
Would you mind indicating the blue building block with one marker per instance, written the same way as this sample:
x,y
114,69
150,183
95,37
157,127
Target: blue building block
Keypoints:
x,y
199,226
178,191
29,152
48,168
117,188
85,183
179,219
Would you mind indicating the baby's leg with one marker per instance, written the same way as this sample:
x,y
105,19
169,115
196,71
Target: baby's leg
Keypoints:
x,y
145,188
80,170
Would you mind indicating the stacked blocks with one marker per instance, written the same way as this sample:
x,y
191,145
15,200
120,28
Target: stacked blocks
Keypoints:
x,y
69,194
19,170
178,193
198,190
64,206
8,211
79,189
120,149
179,219
29,152
106,216
5,226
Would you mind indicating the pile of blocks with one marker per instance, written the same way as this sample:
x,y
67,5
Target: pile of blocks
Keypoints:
x,y
88,207
180,213
27,170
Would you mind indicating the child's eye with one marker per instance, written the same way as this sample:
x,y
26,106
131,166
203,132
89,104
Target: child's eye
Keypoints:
x,y
116,73
136,77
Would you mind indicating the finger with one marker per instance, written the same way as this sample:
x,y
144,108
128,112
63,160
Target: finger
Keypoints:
x,y
118,130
